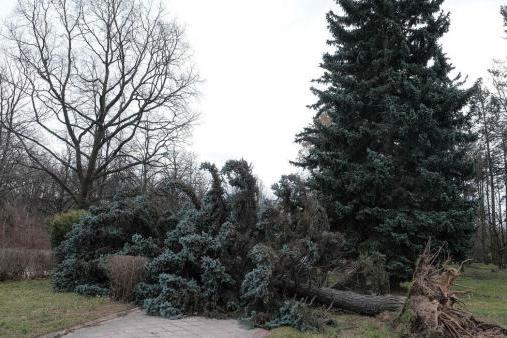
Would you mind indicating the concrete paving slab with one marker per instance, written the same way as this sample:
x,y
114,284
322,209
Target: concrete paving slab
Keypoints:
x,y
138,324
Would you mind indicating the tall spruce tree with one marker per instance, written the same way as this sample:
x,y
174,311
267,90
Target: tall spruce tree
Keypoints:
x,y
388,145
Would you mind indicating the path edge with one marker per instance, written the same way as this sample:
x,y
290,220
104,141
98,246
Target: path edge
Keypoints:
x,y
90,323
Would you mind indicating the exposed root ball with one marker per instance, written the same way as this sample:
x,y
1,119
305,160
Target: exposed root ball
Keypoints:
x,y
434,308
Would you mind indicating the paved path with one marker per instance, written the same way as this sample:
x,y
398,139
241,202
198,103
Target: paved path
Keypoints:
x,y
138,324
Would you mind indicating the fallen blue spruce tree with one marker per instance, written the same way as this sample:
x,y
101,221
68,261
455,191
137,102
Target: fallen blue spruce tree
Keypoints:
x,y
227,253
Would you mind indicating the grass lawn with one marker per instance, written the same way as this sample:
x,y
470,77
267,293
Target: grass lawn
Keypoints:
x,y
488,302
31,308
346,326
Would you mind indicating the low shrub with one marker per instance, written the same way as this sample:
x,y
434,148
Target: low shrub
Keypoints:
x,y
21,263
60,224
125,272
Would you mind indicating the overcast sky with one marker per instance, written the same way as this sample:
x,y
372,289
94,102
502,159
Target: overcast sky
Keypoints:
x,y
257,59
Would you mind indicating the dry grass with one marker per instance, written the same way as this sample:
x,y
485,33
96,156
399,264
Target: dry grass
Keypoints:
x,y
125,273
21,263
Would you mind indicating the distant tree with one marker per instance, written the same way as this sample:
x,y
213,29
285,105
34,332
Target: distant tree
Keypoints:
x,y
489,108
176,179
109,84
485,109
388,146
11,154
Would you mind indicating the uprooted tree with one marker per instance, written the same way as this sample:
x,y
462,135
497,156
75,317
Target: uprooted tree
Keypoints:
x,y
225,254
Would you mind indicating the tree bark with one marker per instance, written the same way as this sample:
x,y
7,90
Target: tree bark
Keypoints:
x,y
351,301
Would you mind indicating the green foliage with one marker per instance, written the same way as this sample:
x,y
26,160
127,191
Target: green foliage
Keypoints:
x,y
388,146
91,290
225,254
228,253
60,224
255,286
140,246
214,277
232,254
176,293
110,228
296,315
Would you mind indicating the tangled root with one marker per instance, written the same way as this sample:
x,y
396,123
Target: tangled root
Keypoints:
x,y
435,309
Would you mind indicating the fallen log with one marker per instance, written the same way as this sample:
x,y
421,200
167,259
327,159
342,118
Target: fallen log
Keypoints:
x,y
350,301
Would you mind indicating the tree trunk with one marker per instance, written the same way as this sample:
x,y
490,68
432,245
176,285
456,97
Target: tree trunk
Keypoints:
x,y
351,301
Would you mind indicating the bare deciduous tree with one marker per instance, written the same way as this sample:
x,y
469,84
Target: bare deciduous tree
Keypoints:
x,y
491,166
102,76
11,100
178,179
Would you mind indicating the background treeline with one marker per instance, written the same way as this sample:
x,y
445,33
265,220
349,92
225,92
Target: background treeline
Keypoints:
x,y
489,109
